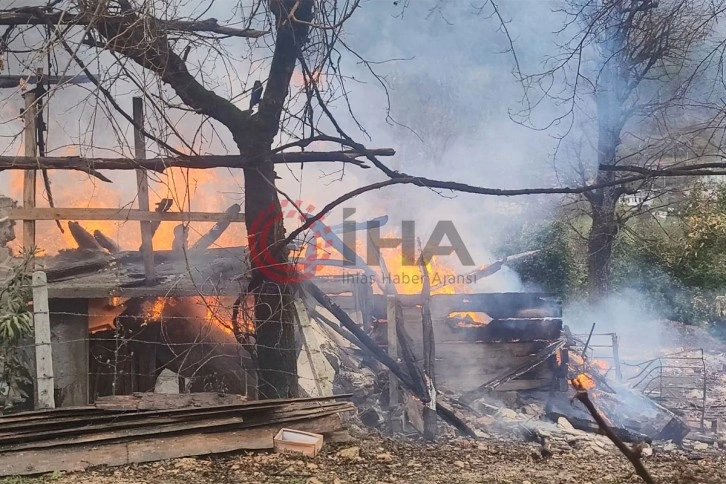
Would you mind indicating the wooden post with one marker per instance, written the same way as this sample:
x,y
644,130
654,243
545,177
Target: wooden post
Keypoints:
x,y
319,367
142,183
392,347
69,337
616,357
429,349
30,141
43,354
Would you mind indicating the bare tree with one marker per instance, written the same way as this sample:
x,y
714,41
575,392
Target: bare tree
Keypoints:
x,y
170,52
624,83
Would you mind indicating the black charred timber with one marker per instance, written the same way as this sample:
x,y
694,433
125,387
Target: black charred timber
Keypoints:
x,y
105,242
83,238
589,425
513,329
380,354
405,346
216,231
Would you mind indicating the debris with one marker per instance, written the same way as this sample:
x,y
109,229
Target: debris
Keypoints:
x,y
562,422
290,441
384,457
72,439
351,453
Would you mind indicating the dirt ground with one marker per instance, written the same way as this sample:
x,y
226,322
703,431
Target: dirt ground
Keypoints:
x,y
374,459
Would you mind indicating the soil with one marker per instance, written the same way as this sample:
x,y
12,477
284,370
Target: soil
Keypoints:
x,y
375,459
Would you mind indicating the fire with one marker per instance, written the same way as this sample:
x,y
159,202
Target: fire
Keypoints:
x,y
213,309
219,310
153,310
191,190
394,270
583,382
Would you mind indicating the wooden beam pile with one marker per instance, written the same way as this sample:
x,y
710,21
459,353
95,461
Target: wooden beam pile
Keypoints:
x,y
125,430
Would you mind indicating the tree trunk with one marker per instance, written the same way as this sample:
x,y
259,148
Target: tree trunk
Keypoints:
x,y
600,244
603,202
275,331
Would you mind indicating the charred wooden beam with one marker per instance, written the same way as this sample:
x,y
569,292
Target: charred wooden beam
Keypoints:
x,y
38,16
181,236
512,373
429,347
163,206
10,81
218,229
632,454
194,162
83,237
405,345
106,242
380,354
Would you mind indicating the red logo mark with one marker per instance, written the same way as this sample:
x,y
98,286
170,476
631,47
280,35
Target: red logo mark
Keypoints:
x,y
316,246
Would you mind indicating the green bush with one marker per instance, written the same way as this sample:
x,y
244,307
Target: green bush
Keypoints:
x,y
15,330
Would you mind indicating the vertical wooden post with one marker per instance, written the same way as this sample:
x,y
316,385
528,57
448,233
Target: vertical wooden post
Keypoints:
x,y
429,350
30,141
616,357
142,184
392,347
43,354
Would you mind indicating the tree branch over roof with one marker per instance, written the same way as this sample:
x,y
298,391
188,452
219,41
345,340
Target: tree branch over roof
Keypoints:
x,y
38,15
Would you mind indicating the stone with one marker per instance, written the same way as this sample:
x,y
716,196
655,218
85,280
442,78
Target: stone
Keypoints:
x,y
459,463
507,414
313,480
349,453
700,446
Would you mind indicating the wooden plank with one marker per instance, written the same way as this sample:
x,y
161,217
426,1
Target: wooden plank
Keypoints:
x,y
142,186
154,401
120,214
9,80
150,449
69,340
392,347
20,433
318,365
30,141
43,356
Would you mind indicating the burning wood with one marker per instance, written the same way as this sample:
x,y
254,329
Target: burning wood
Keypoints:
x,y
83,238
488,269
181,236
105,242
632,454
216,231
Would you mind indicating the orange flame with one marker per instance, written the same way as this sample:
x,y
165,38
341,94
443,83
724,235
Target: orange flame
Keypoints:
x,y
583,382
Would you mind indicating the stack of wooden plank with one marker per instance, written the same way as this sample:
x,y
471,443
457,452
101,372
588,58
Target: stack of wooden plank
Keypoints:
x,y
124,430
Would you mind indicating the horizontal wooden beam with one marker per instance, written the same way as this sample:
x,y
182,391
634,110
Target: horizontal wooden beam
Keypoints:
x,y
15,81
120,214
37,16
193,162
